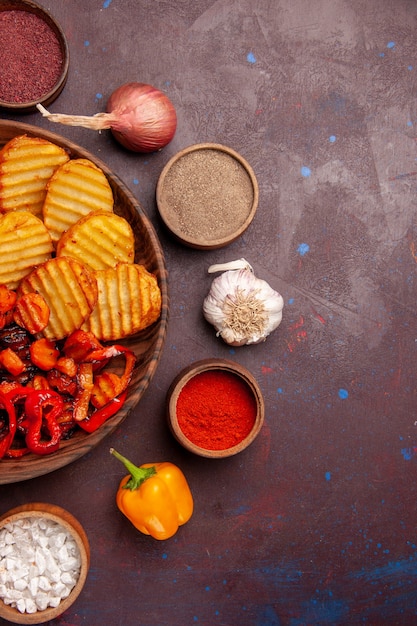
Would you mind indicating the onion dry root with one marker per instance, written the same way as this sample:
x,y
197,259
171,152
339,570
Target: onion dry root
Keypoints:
x,y
140,117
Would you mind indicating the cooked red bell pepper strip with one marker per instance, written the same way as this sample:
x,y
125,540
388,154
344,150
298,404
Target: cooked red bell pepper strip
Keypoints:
x,y
16,393
16,453
83,395
43,407
97,419
99,397
79,344
61,382
6,438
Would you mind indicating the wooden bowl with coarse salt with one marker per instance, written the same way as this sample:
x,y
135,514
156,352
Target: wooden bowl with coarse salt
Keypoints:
x,y
44,558
215,408
207,196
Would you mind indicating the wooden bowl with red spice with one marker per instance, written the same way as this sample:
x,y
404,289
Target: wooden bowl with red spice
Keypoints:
x,y
215,408
35,56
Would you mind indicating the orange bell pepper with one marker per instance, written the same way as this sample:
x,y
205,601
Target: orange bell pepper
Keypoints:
x,y
155,497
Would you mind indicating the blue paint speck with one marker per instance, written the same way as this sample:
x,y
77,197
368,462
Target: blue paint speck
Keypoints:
x,y
410,67
164,556
135,181
279,390
409,123
407,453
106,4
86,43
328,475
251,57
382,54
99,96
305,171
343,394
332,138
303,248
391,44
291,301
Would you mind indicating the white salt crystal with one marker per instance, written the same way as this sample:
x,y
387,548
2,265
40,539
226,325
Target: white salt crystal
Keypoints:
x,y
42,601
33,585
21,605
68,579
54,601
62,554
44,583
40,561
58,540
30,606
20,584
8,539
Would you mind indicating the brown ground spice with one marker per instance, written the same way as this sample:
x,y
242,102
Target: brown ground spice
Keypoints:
x,y
31,57
210,194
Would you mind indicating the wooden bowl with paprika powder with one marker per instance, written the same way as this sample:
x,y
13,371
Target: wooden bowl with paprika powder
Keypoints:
x,y
35,56
215,408
43,543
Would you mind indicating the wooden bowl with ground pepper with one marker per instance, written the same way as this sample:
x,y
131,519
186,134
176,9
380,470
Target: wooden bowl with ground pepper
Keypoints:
x,y
207,196
215,408
34,56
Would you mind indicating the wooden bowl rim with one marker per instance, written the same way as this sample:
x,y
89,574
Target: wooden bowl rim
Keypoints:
x,y
12,470
52,94
72,525
199,367
165,211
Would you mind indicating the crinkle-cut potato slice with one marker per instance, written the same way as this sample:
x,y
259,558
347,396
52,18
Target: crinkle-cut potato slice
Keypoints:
x,y
129,300
26,165
69,288
99,240
24,242
76,188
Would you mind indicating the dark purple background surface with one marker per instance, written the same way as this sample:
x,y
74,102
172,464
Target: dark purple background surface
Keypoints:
x,y
314,524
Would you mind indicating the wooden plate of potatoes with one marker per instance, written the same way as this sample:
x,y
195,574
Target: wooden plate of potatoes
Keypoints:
x,y
86,245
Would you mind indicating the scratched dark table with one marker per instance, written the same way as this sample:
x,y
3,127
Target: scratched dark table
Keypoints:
x,y
315,523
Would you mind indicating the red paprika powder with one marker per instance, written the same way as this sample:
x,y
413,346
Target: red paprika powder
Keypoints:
x,y
31,57
216,410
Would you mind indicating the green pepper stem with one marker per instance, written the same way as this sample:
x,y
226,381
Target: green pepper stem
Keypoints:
x,y
138,475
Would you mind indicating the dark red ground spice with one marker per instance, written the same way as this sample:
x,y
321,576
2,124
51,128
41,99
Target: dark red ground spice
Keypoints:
x,y
216,410
31,59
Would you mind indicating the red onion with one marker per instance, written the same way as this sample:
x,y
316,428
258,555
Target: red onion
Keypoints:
x,y
140,117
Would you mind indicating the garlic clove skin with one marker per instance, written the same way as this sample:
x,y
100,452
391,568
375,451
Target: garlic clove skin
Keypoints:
x,y
243,309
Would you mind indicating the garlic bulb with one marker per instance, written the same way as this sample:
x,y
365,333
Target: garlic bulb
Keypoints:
x,y
242,308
